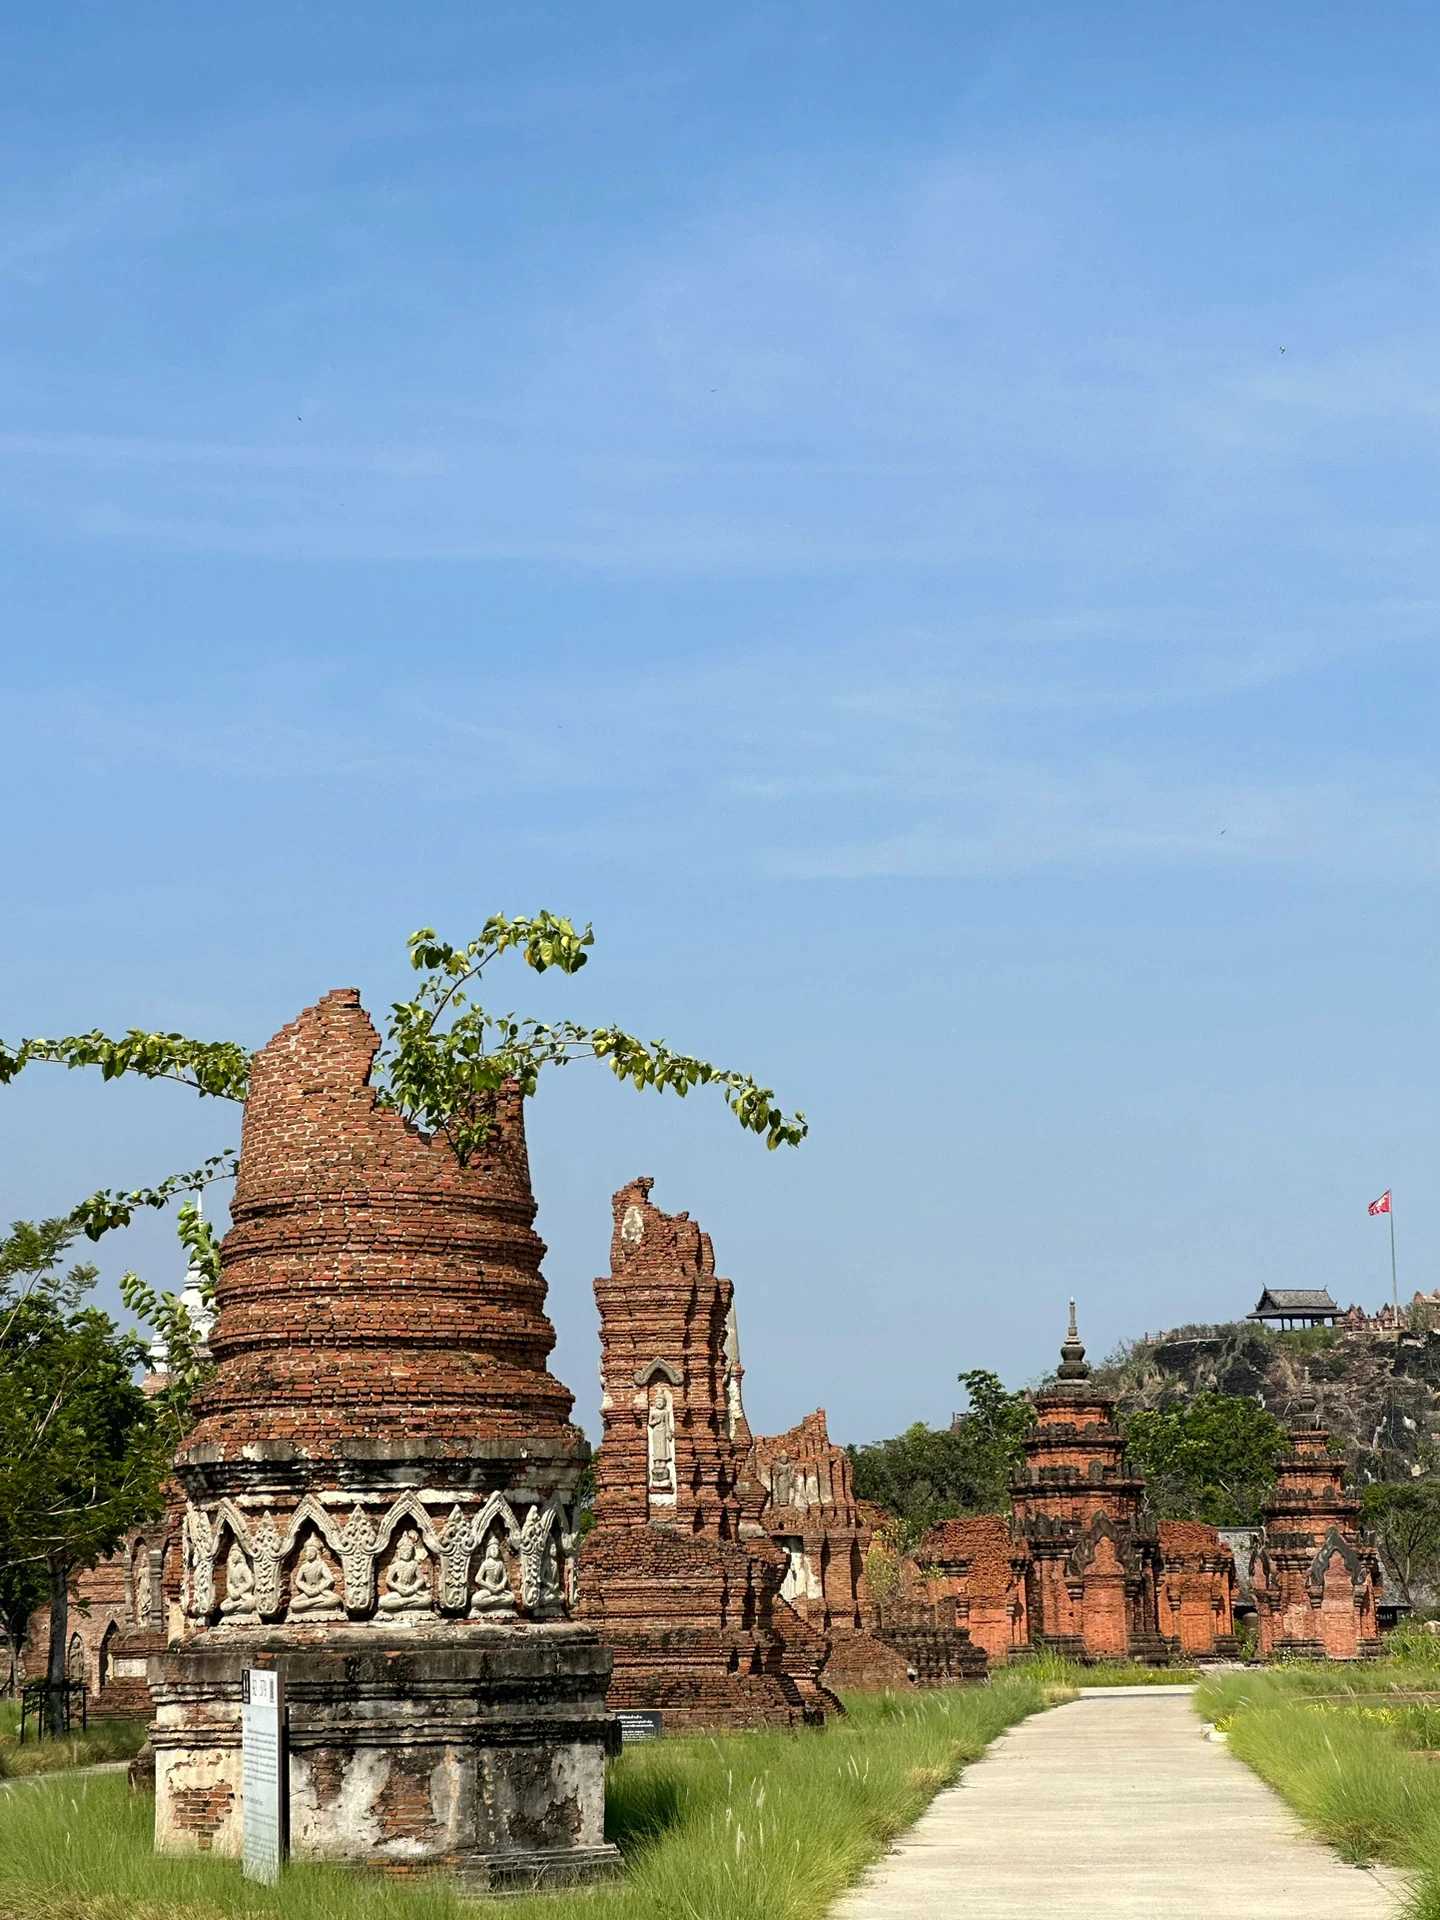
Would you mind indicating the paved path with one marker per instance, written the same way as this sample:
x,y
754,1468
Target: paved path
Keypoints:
x,y
66,1773
1114,1804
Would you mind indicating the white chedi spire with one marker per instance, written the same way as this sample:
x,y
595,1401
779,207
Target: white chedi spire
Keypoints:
x,y
198,1312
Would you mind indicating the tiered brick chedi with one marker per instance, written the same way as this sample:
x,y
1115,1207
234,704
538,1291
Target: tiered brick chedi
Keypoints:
x,y
1316,1580
1082,1566
1093,1569
379,1496
687,1598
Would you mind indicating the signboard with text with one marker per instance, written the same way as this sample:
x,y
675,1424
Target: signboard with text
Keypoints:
x,y
263,1773
640,1726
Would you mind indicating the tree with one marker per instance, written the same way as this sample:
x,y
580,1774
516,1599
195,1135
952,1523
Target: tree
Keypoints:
x,y
1404,1516
928,1474
443,1059
80,1459
994,1427
1212,1458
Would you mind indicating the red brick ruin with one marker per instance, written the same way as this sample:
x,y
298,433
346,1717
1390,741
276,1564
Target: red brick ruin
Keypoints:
x,y
677,1576
1316,1580
379,1494
809,1511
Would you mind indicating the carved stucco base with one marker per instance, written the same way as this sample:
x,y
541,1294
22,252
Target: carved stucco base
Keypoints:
x,y
484,1756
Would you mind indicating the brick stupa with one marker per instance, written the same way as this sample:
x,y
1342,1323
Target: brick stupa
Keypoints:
x,y
688,1600
1093,1546
379,1497
1316,1579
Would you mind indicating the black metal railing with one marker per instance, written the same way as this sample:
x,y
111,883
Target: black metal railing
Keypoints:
x,y
38,1701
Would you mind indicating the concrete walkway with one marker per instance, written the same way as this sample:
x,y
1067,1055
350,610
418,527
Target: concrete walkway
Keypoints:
x,y
1114,1804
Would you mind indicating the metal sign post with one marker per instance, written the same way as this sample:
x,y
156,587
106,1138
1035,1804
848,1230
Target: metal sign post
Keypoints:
x,y
263,1773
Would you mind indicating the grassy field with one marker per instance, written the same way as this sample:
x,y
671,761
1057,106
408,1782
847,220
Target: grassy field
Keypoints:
x,y
103,1740
742,1827
1354,1760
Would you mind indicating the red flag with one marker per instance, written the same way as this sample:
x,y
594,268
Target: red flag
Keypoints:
x,y
1382,1205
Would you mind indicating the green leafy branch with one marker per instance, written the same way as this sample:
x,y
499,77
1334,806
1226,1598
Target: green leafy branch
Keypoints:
x,y
220,1068
445,1077
442,1063
110,1208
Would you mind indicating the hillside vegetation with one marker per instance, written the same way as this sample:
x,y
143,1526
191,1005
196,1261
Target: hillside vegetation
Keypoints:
x,y
1380,1398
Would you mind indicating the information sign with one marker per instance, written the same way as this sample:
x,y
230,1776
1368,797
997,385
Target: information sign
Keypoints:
x,y
263,1773
637,1727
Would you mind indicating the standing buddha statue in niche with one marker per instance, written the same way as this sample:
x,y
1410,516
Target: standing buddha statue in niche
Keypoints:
x,y
662,1441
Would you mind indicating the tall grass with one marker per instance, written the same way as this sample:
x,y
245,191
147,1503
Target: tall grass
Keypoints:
x,y
1355,1774
1053,1670
102,1740
752,1826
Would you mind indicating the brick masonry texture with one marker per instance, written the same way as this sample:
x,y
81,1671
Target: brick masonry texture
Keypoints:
x,y
678,1574
1316,1579
379,1491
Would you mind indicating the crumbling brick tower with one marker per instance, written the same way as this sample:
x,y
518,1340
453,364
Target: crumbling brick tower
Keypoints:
x,y
1316,1579
805,1487
379,1491
687,1600
1094,1565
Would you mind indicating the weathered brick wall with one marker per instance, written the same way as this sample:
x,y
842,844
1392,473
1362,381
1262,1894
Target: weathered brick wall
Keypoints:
x,y
1197,1589
976,1566
370,1283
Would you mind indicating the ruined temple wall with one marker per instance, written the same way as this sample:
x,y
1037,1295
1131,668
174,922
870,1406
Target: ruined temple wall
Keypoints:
x,y
1196,1591
802,1486
973,1569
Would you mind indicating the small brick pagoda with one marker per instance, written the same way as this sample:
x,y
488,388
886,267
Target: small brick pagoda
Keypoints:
x,y
1316,1579
808,1509
379,1497
1094,1567
687,1599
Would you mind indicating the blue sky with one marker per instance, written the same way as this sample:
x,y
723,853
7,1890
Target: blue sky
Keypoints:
x,y
918,523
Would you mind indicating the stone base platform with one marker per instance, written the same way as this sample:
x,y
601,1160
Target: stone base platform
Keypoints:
x,y
478,1750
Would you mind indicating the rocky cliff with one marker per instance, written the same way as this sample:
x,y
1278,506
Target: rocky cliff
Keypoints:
x,y
1376,1392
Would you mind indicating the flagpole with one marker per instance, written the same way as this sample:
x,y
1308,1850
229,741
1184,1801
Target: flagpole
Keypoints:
x,y
1394,1283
